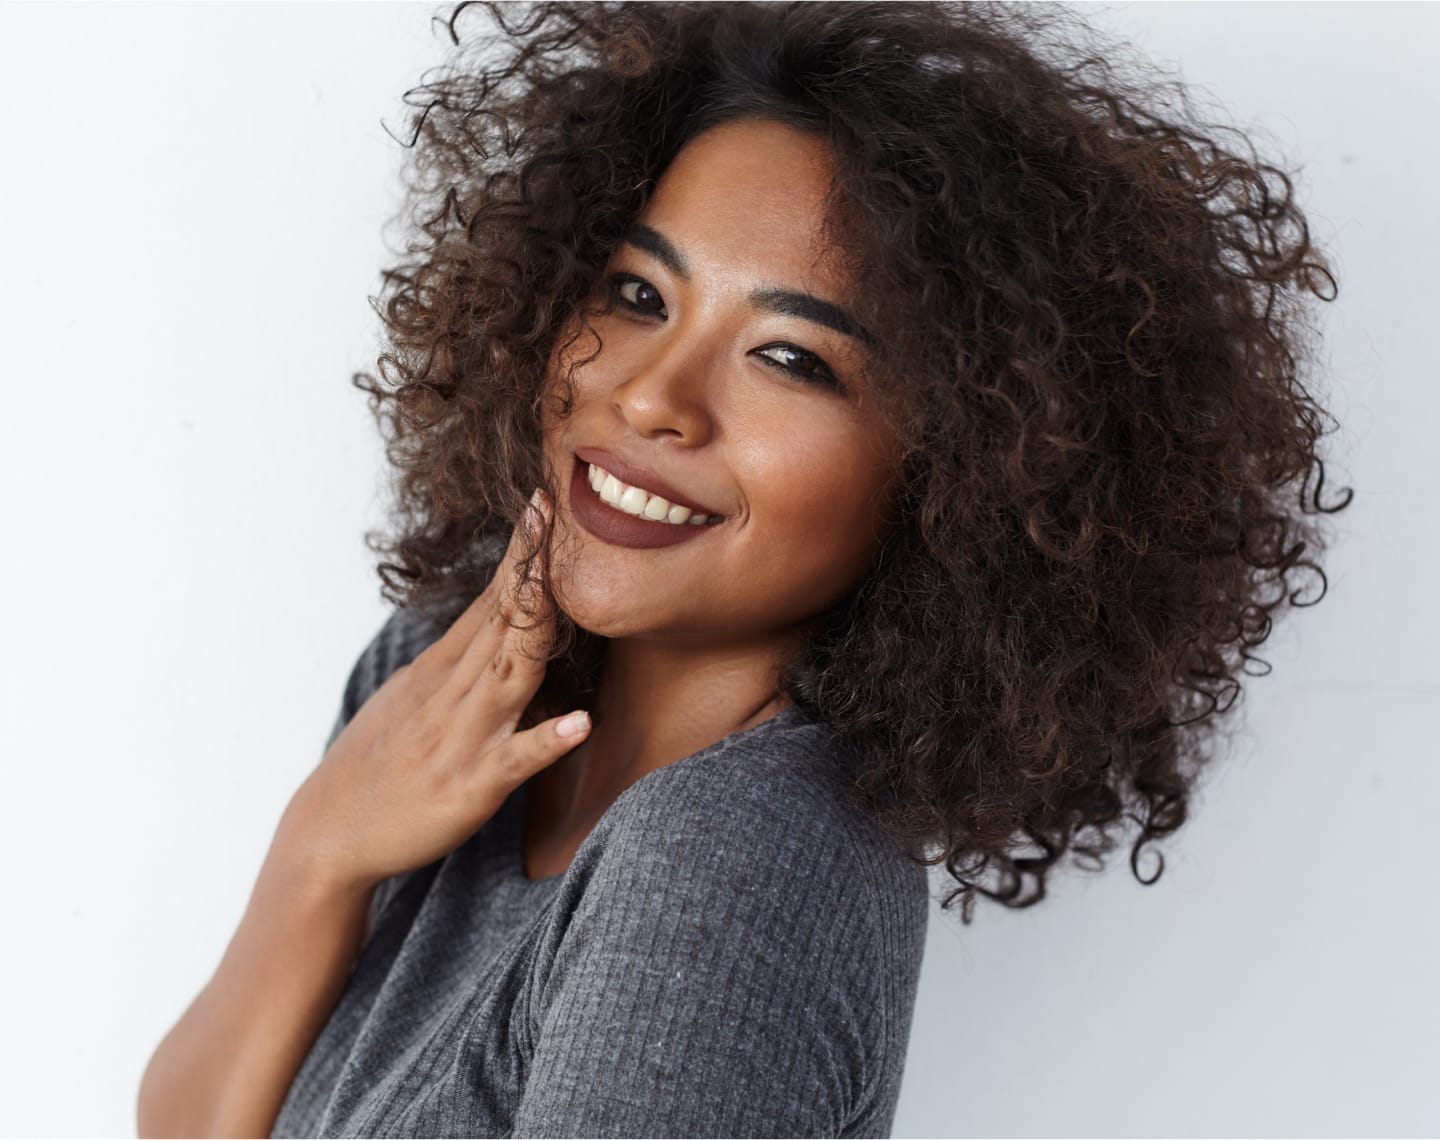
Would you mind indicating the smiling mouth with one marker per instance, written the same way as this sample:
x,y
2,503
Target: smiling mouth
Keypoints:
x,y
619,528
639,503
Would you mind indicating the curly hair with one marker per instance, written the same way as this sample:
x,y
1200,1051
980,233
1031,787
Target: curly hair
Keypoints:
x,y
1091,323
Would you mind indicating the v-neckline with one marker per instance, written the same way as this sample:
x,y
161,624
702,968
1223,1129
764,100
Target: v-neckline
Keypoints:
x,y
516,838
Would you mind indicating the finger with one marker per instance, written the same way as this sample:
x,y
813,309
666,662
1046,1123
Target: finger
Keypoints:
x,y
522,754
507,583
508,646
500,657
524,599
498,592
506,662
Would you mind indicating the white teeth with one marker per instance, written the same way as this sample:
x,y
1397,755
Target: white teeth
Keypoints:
x,y
642,504
633,500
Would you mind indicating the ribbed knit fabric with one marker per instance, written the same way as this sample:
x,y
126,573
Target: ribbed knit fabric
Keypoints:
x,y
733,951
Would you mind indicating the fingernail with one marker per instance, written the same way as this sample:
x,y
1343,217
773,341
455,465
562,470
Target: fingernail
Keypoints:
x,y
573,725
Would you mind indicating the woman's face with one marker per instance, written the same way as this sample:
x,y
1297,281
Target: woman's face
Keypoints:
x,y
689,393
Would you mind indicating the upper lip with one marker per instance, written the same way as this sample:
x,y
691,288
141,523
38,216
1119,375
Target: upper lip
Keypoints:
x,y
639,477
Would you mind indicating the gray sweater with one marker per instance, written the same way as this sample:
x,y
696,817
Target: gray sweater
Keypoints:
x,y
733,951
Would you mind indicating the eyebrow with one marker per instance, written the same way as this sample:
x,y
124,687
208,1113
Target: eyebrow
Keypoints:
x,y
772,298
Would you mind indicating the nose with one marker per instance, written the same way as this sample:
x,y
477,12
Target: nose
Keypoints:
x,y
669,391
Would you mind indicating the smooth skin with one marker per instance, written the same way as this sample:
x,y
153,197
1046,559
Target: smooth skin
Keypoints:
x,y
421,766
688,387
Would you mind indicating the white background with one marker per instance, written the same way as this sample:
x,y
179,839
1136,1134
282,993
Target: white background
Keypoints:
x,y
191,220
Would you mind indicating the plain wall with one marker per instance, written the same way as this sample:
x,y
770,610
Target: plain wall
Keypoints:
x,y
193,198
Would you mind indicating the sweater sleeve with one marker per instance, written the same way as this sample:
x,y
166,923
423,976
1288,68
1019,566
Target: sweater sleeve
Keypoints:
x,y
722,975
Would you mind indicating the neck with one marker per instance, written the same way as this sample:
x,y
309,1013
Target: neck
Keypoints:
x,y
656,703
663,703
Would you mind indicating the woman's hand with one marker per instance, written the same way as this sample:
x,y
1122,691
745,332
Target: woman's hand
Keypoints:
x,y
433,753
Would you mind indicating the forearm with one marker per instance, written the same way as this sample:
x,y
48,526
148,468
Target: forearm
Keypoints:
x,y
224,1068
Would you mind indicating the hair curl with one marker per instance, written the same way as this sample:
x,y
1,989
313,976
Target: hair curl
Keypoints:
x,y
1092,320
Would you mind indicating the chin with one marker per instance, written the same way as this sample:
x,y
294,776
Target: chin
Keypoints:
x,y
596,611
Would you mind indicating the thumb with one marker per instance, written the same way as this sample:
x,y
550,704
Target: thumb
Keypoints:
x,y
541,746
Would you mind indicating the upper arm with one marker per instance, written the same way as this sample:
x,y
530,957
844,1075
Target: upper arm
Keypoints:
x,y
723,988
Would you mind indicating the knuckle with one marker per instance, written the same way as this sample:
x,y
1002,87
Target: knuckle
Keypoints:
x,y
502,665
507,763
501,626
498,770
512,759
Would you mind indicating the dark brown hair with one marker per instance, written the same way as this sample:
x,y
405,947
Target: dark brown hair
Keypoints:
x,y
1092,316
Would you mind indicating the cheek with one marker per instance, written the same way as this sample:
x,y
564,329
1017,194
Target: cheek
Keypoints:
x,y
821,476
828,527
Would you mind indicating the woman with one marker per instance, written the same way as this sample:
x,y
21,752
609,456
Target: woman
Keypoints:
x,y
911,419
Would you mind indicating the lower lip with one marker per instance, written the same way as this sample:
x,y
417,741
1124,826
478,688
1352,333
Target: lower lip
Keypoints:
x,y
609,525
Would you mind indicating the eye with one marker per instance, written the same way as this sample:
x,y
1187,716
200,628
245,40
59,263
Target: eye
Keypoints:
x,y
810,367
623,281
630,291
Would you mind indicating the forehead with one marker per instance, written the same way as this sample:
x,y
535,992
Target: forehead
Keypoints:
x,y
750,195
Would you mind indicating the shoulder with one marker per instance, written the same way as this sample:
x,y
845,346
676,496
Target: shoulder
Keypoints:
x,y
751,850
768,807
736,954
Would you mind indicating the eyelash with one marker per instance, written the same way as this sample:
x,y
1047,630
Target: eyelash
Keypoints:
x,y
824,376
